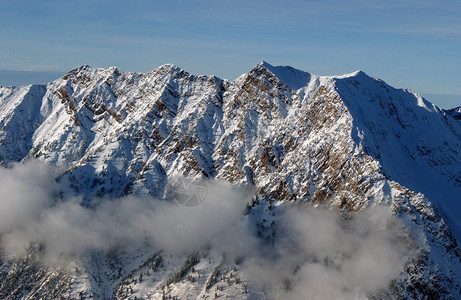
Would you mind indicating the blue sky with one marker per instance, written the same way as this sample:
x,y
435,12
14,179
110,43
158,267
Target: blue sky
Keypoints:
x,y
411,44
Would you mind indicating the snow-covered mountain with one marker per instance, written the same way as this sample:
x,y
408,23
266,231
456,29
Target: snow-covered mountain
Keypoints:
x,y
346,142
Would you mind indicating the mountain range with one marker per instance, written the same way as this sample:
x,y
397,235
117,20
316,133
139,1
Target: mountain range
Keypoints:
x,y
289,138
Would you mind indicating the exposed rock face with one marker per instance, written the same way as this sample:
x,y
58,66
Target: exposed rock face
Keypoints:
x,y
345,142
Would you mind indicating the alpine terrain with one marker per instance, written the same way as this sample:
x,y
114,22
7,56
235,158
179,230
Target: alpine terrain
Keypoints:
x,y
341,187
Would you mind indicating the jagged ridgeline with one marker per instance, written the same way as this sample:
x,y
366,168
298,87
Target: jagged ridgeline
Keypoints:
x,y
346,143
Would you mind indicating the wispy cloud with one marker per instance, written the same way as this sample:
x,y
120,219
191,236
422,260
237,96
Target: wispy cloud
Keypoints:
x,y
452,31
31,213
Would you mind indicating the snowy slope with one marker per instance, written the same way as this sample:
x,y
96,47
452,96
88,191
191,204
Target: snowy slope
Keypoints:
x,y
455,112
346,142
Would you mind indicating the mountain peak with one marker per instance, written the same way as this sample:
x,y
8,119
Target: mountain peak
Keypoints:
x,y
73,72
265,64
169,69
82,68
358,73
168,66
293,78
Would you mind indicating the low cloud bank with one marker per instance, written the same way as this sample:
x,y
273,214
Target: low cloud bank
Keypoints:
x,y
31,214
314,253
323,255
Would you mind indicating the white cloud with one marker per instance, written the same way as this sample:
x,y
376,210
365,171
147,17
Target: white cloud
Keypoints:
x,y
30,214
326,256
316,252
